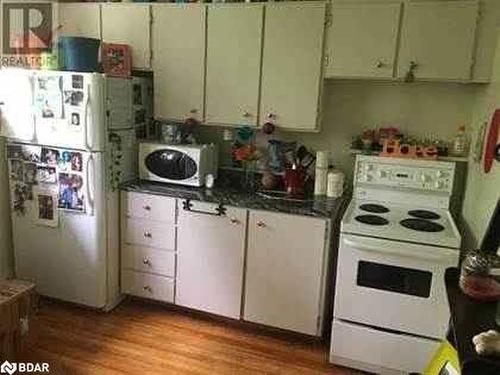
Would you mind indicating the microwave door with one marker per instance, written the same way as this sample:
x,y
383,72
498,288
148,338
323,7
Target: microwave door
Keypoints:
x,y
171,165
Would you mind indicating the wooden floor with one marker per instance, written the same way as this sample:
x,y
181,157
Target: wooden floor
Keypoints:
x,y
143,338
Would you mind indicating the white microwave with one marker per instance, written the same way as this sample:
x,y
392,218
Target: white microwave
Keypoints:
x,y
177,164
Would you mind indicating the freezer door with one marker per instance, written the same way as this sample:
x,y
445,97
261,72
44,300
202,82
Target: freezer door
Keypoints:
x,y
67,261
69,110
16,103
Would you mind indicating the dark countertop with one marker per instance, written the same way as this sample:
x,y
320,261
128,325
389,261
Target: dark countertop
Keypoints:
x,y
233,196
469,318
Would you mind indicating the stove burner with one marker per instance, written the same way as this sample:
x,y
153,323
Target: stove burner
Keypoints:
x,y
372,219
421,225
375,208
424,214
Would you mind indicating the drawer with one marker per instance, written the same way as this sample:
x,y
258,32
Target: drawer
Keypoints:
x,y
147,206
149,233
144,285
148,259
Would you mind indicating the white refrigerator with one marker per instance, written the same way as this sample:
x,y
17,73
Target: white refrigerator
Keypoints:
x,y
71,141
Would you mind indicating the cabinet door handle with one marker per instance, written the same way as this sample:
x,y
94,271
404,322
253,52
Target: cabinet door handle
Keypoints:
x,y
379,64
193,111
147,288
261,224
246,114
146,262
233,220
147,207
148,234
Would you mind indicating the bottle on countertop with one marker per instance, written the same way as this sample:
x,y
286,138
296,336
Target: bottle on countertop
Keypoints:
x,y
460,143
321,172
335,183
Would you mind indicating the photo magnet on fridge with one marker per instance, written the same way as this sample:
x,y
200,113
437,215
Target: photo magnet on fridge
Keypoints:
x,y
46,207
46,175
24,152
30,173
16,170
48,97
71,192
50,156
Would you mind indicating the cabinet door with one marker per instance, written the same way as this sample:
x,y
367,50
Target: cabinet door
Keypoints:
x,y
178,34
128,24
77,19
292,64
284,271
439,38
234,43
210,258
362,40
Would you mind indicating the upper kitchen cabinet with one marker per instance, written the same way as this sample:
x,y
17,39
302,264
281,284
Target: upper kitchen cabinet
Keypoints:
x,y
362,40
82,20
292,64
128,24
285,271
178,39
437,40
234,45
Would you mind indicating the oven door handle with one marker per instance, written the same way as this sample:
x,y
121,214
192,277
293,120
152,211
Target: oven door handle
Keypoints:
x,y
390,249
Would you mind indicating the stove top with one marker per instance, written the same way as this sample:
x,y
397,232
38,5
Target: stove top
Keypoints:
x,y
372,219
424,214
375,208
422,225
401,222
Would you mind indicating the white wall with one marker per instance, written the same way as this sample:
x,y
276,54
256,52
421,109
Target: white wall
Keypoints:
x,y
483,190
5,242
430,110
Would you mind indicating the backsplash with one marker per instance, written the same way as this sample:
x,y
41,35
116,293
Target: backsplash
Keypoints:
x,y
431,110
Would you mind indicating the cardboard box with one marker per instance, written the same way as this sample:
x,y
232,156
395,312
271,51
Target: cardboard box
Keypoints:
x,y
18,302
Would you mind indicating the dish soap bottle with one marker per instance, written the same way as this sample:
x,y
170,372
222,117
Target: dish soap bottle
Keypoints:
x,y
460,145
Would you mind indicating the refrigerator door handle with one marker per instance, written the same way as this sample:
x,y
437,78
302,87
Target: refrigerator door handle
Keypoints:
x,y
88,138
90,174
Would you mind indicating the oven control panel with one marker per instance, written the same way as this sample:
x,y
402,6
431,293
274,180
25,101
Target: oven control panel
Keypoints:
x,y
407,173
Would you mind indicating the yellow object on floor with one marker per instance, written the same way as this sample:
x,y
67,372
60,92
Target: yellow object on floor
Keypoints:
x,y
444,362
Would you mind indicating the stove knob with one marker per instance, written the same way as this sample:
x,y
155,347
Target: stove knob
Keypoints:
x,y
382,174
439,184
440,174
424,178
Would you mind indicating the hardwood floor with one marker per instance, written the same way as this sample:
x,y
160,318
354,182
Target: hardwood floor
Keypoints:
x,y
143,338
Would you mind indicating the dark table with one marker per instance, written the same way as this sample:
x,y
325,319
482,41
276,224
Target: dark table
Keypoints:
x,y
469,318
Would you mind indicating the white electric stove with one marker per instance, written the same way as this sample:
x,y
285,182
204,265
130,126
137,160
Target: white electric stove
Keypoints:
x,y
397,240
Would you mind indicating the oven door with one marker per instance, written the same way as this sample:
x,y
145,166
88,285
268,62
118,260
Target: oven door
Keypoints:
x,y
170,165
394,285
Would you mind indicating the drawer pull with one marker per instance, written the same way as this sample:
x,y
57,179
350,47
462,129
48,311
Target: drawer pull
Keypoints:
x,y
148,234
233,220
147,207
261,224
147,288
146,262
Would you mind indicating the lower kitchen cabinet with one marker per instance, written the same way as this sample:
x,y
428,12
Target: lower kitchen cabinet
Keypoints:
x,y
285,271
210,263
148,246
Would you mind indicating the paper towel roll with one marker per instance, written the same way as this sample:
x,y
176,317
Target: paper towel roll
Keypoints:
x,y
320,181
322,159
